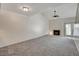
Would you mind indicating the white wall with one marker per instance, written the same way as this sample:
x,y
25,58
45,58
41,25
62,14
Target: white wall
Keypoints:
x,y
58,24
16,28
77,15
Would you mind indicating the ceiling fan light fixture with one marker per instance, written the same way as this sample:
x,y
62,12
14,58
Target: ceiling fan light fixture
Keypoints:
x,y
55,15
25,8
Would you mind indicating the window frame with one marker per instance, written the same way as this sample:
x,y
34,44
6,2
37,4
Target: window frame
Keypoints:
x,y
72,30
65,30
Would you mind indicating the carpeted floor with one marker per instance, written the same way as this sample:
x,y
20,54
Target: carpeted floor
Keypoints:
x,y
43,46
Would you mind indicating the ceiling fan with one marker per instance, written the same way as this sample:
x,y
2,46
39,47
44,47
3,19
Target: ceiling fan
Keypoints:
x,y
55,15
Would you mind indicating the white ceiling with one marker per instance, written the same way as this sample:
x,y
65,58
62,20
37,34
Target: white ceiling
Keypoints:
x,y
36,7
63,9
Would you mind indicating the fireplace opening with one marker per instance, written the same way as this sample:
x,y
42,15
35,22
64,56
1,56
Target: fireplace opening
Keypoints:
x,y
56,32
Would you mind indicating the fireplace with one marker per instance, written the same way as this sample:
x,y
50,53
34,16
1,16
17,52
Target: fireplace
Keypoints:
x,y
56,32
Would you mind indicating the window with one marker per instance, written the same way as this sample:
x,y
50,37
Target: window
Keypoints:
x,y
68,29
76,30
72,29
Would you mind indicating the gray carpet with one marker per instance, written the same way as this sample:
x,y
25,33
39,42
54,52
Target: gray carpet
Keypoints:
x,y
43,46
